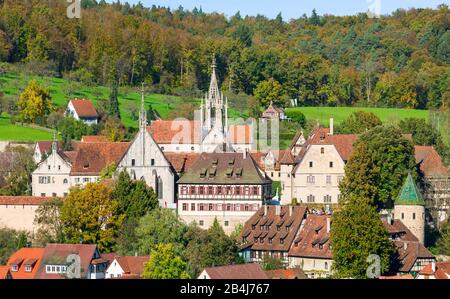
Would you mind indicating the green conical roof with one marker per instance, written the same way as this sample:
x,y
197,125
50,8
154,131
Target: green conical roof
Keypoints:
x,y
409,194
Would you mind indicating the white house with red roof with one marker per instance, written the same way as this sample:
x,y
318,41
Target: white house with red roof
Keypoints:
x,y
128,267
82,110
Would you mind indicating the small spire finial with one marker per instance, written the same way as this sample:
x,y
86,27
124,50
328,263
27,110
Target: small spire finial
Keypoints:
x,y
55,142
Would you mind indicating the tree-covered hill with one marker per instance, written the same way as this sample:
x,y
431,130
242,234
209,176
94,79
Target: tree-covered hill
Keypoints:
x,y
398,60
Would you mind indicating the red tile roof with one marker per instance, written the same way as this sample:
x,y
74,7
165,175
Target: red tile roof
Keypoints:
x,y
397,229
132,265
84,108
58,253
188,132
342,142
295,273
243,271
46,146
430,161
5,273
175,131
92,158
23,200
94,139
21,258
442,270
182,162
313,240
252,233
409,252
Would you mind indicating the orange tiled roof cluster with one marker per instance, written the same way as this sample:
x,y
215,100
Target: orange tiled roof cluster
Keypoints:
x,y
442,270
293,273
132,265
26,259
430,161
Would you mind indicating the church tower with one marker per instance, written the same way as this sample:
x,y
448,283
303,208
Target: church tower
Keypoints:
x,y
409,207
216,109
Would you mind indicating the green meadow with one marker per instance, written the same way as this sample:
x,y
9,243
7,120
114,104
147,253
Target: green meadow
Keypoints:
x,y
387,115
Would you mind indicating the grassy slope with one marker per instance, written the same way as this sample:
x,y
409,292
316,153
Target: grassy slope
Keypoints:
x,y
387,115
19,133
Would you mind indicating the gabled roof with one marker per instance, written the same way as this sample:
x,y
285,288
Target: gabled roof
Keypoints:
x,y
397,229
46,146
56,254
313,240
92,158
223,168
132,265
409,194
243,271
84,108
5,273
181,162
175,131
23,200
409,252
21,258
430,162
273,239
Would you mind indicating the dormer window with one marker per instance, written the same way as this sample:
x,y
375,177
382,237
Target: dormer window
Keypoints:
x,y
86,165
253,227
14,268
27,268
281,241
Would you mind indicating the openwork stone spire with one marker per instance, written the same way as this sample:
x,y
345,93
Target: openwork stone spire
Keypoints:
x,y
142,112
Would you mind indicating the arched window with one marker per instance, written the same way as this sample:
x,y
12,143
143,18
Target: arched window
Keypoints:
x,y
65,182
326,265
159,187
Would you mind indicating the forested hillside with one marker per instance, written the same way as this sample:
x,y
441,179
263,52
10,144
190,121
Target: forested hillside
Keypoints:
x,y
400,60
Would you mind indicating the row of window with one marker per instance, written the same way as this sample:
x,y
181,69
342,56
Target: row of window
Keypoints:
x,y
311,179
220,207
311,198
51,180
55,269
229,190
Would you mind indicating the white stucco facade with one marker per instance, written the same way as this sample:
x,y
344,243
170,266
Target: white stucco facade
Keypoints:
x,y
316,178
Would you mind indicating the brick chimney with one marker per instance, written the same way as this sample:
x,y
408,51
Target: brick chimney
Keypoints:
x,y
277,210
328,225
265,210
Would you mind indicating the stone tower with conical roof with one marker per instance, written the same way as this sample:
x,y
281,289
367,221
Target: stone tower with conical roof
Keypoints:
x,y
409,207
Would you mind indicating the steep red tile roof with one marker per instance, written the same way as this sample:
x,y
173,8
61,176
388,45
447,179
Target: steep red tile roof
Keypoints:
x,y
91,158
252,233
175,131
5,273
313,239
132,265
58,253
287,157
24,256
442,270
243,271
409,252
430,162
46,146
295,273
94,139
84,108
342,142
398,230
23,200
188,132
181,162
